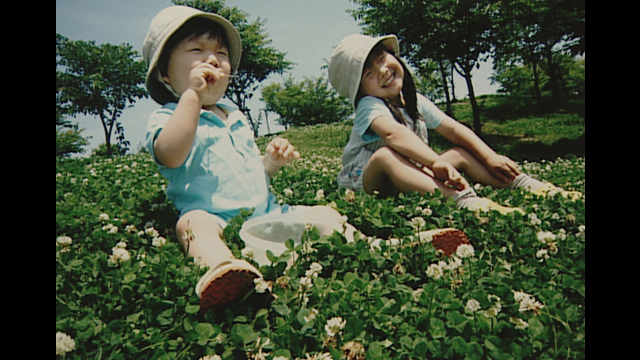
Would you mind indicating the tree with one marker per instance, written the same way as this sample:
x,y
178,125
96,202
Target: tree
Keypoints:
x,y
99,80
309,102
539,33
68,138
259,58
69,141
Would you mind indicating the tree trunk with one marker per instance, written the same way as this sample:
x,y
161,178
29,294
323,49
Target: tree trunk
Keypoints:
x,y
477,122
443,74
536,81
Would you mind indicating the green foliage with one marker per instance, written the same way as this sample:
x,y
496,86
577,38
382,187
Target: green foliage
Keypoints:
x,y
377,301
99,80
310,102
69,141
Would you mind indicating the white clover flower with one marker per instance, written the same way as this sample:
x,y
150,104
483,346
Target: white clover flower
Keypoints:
x,y
418,223
530,304
534,220
306,283
319,356
151,231
64,240
454,263
261,285
103,217
120,255
465,250
64,343
314,270
417,294
334,326
562,234
110,228
311,316
495,309
434,271
211,357
519,295
159,241
307,248
319,195
546,237
527,302
472,306
350,195
542,254
519,323
353,350
288,192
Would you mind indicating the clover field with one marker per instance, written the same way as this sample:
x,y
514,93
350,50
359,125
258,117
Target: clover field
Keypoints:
x,y
125,290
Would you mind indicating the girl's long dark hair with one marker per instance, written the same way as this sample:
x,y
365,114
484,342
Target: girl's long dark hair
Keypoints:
x,y
408,94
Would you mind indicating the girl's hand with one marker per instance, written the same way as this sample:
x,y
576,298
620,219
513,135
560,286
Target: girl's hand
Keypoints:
x,y
279,152
503,168
449,175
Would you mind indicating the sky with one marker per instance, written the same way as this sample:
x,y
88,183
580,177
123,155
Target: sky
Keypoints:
x,y
306,30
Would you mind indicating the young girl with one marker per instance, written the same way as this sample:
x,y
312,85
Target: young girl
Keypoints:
x,y
205,149
388,150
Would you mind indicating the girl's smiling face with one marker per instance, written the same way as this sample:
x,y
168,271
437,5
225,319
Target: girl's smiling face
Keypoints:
x,y
382,76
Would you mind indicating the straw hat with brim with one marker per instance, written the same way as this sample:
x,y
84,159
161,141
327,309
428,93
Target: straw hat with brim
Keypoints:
x,y
348,59
165,24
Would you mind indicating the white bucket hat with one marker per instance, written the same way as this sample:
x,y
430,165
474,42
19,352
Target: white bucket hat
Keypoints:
x,y
348,59
165,24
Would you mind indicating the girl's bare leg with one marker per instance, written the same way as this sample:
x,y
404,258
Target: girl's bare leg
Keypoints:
x,y
468,164
388,172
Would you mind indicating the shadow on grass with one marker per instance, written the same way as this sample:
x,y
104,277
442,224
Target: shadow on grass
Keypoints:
x,y
521,149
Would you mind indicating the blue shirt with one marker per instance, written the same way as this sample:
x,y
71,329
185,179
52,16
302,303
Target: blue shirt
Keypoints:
x,y
223,172
364,141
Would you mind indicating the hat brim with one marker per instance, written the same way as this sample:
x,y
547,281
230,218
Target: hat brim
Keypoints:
x,y
349,58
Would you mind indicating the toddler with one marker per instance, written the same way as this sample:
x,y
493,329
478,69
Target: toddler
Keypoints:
x,y
206,149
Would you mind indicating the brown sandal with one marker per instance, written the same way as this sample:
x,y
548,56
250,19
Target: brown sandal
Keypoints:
x,y
447,240
226,283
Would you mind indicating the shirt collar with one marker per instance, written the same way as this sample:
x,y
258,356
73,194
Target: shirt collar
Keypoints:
x,y
229,109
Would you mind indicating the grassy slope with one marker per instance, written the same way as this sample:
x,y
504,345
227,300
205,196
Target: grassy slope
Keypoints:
x,y
511,126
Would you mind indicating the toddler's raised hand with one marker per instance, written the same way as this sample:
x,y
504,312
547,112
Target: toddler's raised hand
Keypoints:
x,y
280,151
203,78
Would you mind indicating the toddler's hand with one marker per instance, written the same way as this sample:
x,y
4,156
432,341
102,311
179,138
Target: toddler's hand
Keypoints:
x,y
280,151
203,78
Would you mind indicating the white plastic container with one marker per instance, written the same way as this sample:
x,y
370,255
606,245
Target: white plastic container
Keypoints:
x,y
271,232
